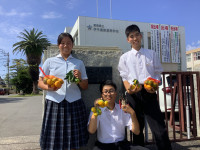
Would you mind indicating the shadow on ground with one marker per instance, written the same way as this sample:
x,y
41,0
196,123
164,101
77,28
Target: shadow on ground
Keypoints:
x,y
10,100
179,146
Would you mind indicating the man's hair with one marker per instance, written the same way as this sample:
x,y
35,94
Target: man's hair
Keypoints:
x,y
131,28
107,82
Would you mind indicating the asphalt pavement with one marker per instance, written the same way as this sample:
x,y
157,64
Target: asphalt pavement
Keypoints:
x,y
20,125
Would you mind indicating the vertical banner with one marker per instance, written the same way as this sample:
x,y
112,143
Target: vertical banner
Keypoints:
x,y
175,50
165,49
155,38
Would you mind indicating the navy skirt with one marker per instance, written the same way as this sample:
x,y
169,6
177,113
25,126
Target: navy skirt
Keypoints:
x,y
64,125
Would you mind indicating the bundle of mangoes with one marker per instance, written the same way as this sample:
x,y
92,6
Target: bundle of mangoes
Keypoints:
x,y
53,81
135,83
96,110
102,103
151,84
71,78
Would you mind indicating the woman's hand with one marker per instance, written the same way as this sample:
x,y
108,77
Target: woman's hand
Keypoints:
x,y
77,74
52,88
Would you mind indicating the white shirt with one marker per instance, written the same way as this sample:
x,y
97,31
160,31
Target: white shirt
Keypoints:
x,y
111,124
59,67
139,65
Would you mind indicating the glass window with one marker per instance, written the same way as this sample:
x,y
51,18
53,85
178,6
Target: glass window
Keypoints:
x,y
188,57
149,40
142,43
197,56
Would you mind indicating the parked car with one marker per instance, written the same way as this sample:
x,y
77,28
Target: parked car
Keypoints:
x,y
168,90
2,91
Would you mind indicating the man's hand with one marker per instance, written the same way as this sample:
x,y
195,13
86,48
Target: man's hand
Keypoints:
x,y
135,90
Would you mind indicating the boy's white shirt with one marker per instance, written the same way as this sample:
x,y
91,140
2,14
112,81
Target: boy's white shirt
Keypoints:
x,y
139,65
111,124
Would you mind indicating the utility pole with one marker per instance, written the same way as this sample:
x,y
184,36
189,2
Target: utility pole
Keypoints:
x,y
8,60
97,9
8,73
110,9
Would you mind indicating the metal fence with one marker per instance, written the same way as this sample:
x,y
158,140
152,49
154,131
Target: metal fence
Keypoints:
x,y
179,96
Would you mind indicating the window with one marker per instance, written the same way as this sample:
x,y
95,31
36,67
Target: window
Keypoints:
x,y
189,69
149,40
188,57
197,56
142,43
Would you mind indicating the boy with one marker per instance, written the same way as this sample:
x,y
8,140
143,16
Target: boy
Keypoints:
x,y
139,63
110,125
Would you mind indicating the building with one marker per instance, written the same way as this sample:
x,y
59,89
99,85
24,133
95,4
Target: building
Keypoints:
x,y
193,60
167,40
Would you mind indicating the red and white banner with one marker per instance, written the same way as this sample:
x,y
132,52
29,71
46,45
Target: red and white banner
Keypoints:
x,y
175,49
165,49
155,38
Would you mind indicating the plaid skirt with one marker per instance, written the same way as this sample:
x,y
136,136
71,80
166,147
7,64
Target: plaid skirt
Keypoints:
x,y
64,125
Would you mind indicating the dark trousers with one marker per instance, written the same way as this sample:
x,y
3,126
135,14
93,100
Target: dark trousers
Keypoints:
x,y
121,145
146,104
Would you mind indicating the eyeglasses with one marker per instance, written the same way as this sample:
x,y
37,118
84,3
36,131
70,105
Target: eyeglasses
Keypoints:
x,y
107,92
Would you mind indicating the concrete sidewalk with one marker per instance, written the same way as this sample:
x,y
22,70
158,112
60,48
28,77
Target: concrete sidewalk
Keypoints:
x,y
20,143
32,143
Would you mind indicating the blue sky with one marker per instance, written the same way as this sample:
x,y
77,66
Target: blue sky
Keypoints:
x,y
52,16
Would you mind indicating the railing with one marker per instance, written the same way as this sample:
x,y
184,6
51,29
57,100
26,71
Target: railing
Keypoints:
x,y
179,98
185,98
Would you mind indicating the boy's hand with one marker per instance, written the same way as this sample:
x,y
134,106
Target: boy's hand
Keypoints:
x,y
96,102
135,90
152,90
127,109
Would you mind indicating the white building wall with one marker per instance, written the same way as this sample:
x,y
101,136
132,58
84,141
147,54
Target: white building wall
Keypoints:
x,y
90,35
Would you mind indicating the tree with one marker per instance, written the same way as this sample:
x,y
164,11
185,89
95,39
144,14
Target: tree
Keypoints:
x,y
18,64
32,45
23,81
19,76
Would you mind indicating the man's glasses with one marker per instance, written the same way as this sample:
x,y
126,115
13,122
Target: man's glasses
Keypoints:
x,y
108,92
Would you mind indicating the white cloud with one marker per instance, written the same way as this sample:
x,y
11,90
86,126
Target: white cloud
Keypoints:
x,y
192,46
70,4
13,12
51,15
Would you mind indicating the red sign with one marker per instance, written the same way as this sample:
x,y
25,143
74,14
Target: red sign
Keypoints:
x,y
154,26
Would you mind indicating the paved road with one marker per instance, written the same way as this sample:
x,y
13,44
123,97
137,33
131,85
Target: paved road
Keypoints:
x,y
20,124
20,116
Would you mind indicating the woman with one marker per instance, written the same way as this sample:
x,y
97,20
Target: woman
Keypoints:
x,y
65,122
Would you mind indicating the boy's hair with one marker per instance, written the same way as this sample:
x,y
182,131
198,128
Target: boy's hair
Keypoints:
x,y
62,35
131,28
107,82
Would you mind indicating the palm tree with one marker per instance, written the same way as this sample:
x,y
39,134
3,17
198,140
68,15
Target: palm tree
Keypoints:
x,y
32,45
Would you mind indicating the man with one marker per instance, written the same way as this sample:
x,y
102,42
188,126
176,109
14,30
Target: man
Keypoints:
x,y
110,125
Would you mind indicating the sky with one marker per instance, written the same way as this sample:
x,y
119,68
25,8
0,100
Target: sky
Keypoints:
x,y
52,16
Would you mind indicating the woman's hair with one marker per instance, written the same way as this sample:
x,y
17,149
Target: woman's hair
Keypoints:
x,y
131,28
62,35
107,82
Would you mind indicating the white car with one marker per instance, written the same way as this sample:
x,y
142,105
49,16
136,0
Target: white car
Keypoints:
x,y
167,90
